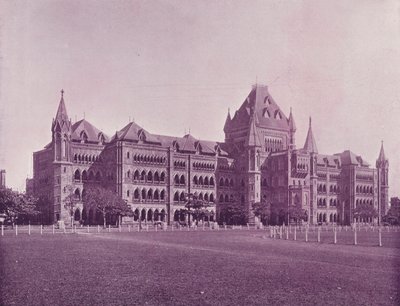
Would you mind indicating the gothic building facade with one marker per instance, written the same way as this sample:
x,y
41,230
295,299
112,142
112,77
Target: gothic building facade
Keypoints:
x,y
257,162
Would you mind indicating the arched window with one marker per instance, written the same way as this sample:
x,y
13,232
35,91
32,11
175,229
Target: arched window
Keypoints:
x,y
201,180
156,177
77,194
195,181
143,176
128,174
176,179
136,194
206,181
84,176
150,194
201,196
144,194
150,176
226,198
221,182
182,197
211,197
182,180
211,181
77,175
127,155
221,198
156,195
226,182
162,195
162,179
136,175
176,197
206,197
127,193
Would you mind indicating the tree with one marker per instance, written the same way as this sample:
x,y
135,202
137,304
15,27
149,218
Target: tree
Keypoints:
x,y
262,210
107,202
233,214
297,213
392,216
364,211
15,205
194,207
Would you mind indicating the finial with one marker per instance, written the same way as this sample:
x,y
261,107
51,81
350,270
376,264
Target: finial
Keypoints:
x,y
84,115
189,130
310,121
229,110
290,109
62,93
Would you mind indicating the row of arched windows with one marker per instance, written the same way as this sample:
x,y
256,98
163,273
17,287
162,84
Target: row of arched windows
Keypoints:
x,y
364,202
323,202
205,166
206,181
364,189
86,158
332,188
179,164
226,198
179,180
84,176
226,182
323,217
78,194
181,197
272,145
147,195
152,159
148,177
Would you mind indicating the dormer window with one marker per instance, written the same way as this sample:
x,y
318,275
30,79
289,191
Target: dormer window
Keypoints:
x,y
84,137
101,138
267,100
278,115
266,113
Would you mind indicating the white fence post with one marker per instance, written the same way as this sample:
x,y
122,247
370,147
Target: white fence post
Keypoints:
x,y
41,229
29,229
380,237
319,235
53,229
16,229
306,234
355,236
295,234
334,236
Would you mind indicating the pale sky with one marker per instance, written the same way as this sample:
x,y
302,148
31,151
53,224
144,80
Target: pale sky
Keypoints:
x,y
175,65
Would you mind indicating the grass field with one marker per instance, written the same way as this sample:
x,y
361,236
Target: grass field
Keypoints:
x,y
234,267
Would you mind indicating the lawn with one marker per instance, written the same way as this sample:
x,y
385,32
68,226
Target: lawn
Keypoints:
x,y
234,267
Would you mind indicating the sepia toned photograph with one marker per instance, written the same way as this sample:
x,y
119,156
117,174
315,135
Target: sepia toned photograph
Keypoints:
x,y
202,152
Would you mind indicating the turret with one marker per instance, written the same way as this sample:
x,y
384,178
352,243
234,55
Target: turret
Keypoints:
x,y
61,132
292,131
382,167
310,144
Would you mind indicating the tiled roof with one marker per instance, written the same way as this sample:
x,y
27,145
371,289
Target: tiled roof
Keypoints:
x,y
349,158
310,144
268,113
83,126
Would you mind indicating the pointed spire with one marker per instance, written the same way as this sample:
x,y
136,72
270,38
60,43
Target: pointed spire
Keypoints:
x,y
253,140
382,156
310,144
227,121
292,124
62,110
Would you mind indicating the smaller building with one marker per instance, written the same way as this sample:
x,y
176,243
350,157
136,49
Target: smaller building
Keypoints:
x,y
29,186
2,178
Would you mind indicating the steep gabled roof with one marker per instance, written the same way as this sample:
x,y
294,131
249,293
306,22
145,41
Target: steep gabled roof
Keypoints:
x,y
62,110
292,124
93,134
349,158
268,113
134,132
310,144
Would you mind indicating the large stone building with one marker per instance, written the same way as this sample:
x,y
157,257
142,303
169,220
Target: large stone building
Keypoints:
x,y
257,162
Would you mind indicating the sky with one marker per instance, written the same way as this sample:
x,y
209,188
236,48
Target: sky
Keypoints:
x,y
172,66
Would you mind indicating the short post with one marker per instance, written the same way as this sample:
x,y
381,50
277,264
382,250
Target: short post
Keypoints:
x,y
319,235
355,236
334,236
294,234
306,234
380,237
29,229
53,229
129,228
16,229
88,228
287,234
225,226
98,228
248,226
109,228
41,229
155,228
280,232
